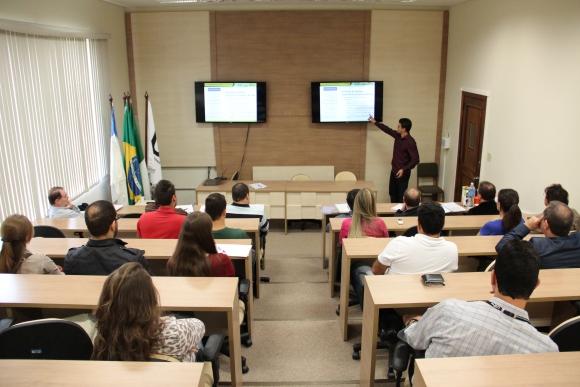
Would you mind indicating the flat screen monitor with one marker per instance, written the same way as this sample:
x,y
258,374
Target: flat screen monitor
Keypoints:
x,y
347,101
230,102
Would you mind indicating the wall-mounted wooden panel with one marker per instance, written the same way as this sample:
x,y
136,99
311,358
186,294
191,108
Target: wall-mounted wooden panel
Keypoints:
x,y
288,50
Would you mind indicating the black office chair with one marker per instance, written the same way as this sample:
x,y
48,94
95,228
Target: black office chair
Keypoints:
x,y
567,335
48,232
403,359
46,339
425,171
262,256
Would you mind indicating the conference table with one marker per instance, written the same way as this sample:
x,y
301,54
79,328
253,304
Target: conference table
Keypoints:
x,y
73,373
399,225
369,248
156,251
176,294
408,291
533,369
73,227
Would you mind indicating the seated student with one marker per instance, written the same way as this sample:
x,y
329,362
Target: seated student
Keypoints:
x,y
129,322
242,206
103,253
499,326
559,248
17,231
364,221
556,192
350,196
509,212
164,222
487,205
411,202
60,204
196,253
215,207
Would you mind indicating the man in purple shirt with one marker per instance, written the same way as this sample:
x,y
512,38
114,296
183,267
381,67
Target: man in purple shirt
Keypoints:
x,y
405,157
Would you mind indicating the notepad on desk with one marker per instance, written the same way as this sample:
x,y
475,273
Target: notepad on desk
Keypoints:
x,y
342,208
234,250
186,207
452,207
117,206
257,186
398,207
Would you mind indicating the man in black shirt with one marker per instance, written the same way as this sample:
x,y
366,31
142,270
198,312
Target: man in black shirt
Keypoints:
x,y
103,253
487,205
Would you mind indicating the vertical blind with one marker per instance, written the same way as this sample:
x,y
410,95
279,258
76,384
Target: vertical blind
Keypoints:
x,y
53,119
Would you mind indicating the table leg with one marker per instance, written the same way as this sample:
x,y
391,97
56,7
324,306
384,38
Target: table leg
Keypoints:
x,y
250,306
258,262
332,263
344,291
235,345
370,326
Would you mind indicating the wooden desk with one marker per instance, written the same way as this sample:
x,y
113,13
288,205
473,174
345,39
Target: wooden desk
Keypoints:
x,y
73,373
452,223
155,250
407,291
535,369
370,248
200,294
73,227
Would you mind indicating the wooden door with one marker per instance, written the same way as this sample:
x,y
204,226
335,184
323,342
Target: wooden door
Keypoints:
x,y
470,140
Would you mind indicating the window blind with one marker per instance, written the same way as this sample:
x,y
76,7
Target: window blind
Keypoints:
x,y
53,119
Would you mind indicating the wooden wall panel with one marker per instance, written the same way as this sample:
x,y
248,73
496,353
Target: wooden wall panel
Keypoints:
x,y
288,50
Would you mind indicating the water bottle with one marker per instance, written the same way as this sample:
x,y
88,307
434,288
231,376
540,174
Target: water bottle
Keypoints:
x,y
471,194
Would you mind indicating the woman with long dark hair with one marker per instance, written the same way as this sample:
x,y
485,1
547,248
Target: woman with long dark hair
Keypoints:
x,y
17,232
130,326
196,254
509,211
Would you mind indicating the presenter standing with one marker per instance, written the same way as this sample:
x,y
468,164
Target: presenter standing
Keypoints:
x,y
405,157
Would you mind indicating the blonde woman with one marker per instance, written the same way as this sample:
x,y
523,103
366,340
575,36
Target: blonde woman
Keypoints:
x,y
364,221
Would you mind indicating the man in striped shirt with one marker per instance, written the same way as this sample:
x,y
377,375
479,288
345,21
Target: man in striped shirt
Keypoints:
x,y
498,326
241,207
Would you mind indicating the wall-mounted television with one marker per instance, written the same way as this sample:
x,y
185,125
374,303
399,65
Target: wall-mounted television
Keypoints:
x,y
347,101
230,102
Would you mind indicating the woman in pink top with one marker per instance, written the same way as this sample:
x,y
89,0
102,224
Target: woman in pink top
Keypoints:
x,y
364,222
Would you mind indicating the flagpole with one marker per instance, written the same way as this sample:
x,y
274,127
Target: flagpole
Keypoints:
x,y
146,124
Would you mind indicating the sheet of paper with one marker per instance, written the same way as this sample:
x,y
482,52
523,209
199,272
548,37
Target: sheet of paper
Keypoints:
x,y
452,207
118,206
342,208
257,186
186,207
234,250
202,208
397,207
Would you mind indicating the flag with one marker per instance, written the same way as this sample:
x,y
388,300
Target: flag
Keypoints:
x,y
153,160
117,177
135,167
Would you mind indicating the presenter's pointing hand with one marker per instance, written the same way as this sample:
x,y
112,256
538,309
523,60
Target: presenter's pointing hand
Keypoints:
x,y
372,119
399,173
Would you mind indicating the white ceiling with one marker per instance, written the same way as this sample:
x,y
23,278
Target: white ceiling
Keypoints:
x,y
136,5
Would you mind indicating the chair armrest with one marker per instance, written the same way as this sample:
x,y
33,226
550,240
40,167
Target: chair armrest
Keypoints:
x,y
401,355
5,323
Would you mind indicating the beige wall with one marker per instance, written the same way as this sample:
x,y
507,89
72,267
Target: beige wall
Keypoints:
x,y
523,54
171,51
406,55
86,15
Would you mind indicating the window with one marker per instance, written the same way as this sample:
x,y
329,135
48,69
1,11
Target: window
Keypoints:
x,y
53,119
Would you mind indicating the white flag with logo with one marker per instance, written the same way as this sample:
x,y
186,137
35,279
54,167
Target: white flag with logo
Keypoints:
x,y
117,177
153,160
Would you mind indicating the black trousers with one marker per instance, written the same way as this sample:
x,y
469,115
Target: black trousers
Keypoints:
x,y
397,187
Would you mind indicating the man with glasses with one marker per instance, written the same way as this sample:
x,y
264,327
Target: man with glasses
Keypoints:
x,y
103,253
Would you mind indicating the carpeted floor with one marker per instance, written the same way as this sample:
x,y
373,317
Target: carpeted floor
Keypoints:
x,y
296,338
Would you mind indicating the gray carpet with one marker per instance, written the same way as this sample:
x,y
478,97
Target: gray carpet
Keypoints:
x,y
297,340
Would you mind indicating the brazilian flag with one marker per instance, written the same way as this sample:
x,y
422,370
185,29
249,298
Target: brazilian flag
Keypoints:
x,y
135,167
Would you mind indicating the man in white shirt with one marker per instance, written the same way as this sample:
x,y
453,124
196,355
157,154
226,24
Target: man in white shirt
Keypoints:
x,y
60,204
498,326
426,252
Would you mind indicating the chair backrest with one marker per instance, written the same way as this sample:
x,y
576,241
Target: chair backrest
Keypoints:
x,y
490,267
345,176
427,170
301,177
54,339
48,232
567,335
132,216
